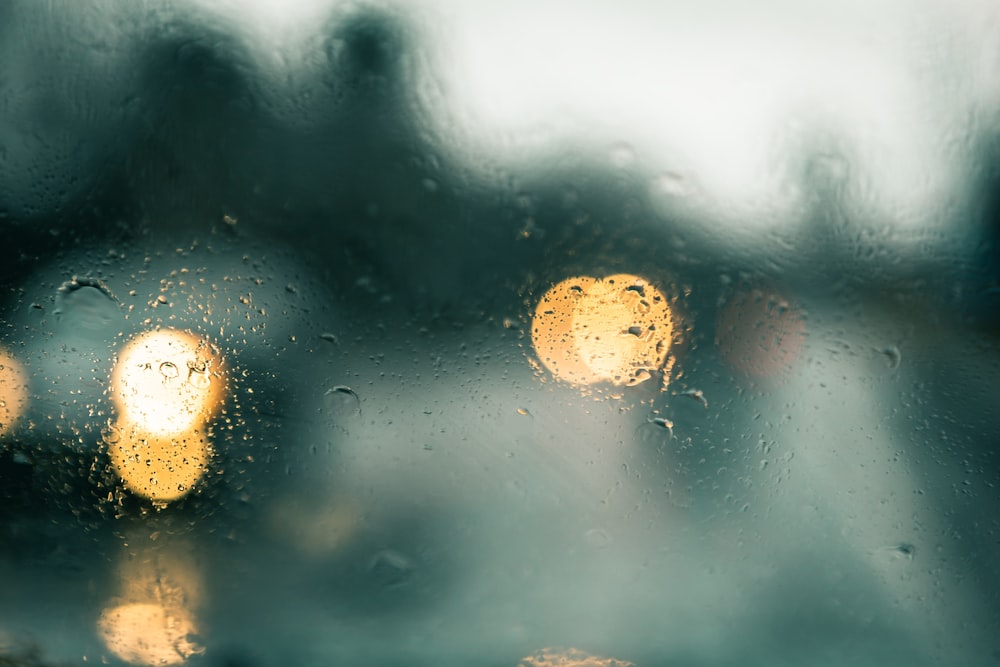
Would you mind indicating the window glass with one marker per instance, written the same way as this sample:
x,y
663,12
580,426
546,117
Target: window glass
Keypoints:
x,y
506,334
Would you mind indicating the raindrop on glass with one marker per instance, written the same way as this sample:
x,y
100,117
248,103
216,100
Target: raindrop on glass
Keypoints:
x,y
391,569
597,539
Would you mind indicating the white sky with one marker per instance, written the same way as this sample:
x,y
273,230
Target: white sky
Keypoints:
x,y
719,91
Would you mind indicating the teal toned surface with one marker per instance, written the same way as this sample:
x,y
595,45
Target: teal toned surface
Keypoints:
x,y
502,334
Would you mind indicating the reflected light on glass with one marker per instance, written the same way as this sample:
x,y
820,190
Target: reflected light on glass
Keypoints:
x,y
760,334
148,633
167,382
588,330
159,467
166,387
153,622
552,657
13,391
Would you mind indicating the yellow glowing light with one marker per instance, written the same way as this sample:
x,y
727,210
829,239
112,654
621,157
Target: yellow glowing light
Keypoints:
x,y
166,387
616,329
149,633
153,622
167,382
13,391
552,657
159,467
760,333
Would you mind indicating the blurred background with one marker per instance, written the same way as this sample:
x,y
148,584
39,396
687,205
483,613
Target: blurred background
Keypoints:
x,y
521,334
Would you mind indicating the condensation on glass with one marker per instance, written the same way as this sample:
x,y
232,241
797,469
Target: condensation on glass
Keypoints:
x,y
499,334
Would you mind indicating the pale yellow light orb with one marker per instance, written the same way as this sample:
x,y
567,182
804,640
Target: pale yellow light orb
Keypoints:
x,y
556,657
167,382
13,391
153,621
552,330
616,329
162,468
148,633
761,334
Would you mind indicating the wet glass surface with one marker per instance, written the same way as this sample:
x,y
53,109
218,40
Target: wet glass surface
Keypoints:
x,y
499,334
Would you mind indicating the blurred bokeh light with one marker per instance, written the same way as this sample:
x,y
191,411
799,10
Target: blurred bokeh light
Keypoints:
x,y
616,329
13,391
554,657
760,333
152,620
167,386
168,382
447,331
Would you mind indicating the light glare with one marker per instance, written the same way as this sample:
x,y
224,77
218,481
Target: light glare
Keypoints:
x,y
616,329
147,633
554,657
13,391
159,467
152,621
167,382
166,387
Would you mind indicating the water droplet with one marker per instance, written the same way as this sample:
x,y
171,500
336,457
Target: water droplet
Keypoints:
x,y
344,390
673,184
893,356
902,551
597,539
111,434
656,431
622,155
341,404
696,394
87,308
391,569
168,370
199,379
895,555
639,377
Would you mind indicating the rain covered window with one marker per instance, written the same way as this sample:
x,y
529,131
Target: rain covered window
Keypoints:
x,y
513,334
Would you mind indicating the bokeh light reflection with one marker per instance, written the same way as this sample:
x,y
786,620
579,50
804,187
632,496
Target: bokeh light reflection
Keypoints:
x,y
166,388
617,329
153,620
553,657
168,381
159,467
13,391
